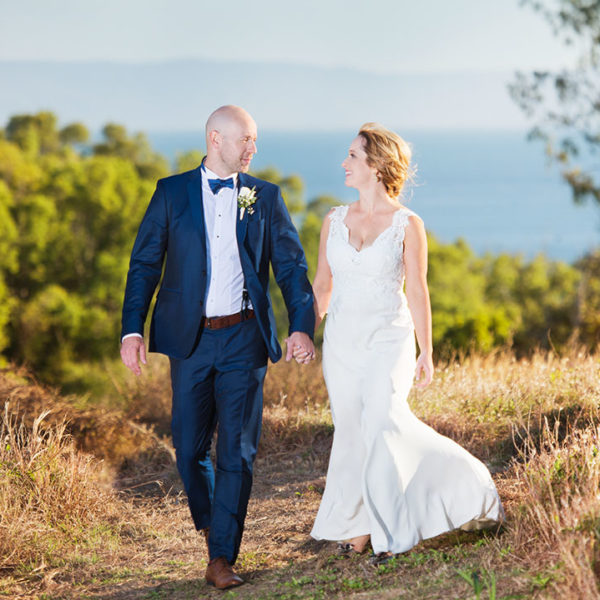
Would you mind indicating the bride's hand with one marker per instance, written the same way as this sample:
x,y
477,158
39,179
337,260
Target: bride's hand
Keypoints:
x,y
424,370
302,357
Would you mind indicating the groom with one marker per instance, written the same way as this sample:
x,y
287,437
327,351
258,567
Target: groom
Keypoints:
x,y
215,231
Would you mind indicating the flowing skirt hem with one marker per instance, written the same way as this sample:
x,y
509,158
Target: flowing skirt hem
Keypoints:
x,y
320,536
399,548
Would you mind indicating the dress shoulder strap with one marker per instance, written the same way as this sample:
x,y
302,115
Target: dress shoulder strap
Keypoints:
x,y
338,212
337,216
401,221
401,216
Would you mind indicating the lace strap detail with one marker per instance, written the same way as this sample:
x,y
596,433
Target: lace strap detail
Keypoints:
x,y
336,218
400,221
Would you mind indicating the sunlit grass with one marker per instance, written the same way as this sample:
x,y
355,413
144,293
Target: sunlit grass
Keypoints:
x,y
533,421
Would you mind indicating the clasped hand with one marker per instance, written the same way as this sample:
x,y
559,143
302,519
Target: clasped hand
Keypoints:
x,y
300,347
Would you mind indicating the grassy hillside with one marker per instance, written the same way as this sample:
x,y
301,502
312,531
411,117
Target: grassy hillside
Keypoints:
x,y
91,505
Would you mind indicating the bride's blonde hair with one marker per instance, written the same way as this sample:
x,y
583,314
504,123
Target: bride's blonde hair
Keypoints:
x,y
389,154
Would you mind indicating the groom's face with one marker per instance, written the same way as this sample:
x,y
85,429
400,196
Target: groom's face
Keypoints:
x,y
238,145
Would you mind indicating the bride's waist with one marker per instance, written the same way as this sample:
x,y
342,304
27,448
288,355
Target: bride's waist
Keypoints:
x,y
353,298
374,309
366,326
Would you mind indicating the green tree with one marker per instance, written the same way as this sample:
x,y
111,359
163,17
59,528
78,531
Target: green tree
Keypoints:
x,y
67,223
321,205
75,133
292,188
68,220
8,261
587,304
546,291
565,105
136,148
35,134
186,161
457,287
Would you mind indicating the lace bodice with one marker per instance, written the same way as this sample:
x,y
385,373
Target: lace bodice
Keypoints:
x,y
371,279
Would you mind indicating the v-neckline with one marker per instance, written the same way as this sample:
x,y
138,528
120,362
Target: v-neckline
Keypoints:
x,y
379,235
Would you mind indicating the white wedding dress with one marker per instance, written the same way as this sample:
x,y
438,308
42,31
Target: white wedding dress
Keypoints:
x,y
390,475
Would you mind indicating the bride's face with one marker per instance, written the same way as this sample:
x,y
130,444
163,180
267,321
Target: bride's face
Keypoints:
x,y
358,172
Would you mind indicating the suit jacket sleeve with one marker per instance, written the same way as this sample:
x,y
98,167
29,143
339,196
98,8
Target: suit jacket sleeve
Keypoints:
x,y
290,269
145,266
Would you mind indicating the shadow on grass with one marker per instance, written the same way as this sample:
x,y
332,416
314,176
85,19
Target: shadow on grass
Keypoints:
x,y
429,570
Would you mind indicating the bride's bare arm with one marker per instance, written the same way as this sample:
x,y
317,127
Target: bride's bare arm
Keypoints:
x,y
323,283
417,294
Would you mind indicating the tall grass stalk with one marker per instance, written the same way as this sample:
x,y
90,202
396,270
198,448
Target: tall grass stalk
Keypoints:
x,y
558,520
50,492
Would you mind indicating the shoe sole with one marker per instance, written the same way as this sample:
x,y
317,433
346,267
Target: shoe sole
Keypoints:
x,y
212,584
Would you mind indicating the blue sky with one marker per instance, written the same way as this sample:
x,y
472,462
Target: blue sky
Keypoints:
x,y
377,35
423,64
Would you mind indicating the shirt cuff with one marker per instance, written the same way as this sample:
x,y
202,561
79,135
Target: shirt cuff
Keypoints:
x,y
131,335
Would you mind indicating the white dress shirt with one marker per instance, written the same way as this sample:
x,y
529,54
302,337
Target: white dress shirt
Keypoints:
x,y
226,279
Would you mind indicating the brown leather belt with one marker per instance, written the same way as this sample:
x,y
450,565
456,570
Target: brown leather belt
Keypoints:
x,y
227,320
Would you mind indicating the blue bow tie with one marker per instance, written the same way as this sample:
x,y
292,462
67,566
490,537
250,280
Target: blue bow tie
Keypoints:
x,y
217,184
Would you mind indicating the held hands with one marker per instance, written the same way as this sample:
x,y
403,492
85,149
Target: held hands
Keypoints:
x,y
300,347
130,349
424,370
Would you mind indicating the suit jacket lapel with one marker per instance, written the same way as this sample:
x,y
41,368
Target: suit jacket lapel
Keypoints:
x,y
241,224
194,190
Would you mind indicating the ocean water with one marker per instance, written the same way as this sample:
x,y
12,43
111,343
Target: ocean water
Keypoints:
x,y
493,189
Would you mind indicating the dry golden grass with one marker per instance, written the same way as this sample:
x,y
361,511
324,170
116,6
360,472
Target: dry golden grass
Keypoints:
x,y
138,541
559,517
49,491
110,434
484,401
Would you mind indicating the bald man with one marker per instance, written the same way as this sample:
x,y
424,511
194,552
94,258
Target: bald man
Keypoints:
x,y
215,231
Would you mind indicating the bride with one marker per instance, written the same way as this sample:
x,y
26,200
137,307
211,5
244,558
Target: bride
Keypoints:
x,y
392,480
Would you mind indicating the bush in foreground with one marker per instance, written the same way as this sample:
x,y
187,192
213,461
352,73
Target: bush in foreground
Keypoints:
x,y
52,496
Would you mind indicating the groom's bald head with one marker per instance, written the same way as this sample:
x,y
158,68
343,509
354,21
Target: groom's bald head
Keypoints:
x,y
227,116
230,140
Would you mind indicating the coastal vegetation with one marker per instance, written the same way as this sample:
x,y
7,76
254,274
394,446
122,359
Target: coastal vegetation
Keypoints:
x,y
69,211
91,505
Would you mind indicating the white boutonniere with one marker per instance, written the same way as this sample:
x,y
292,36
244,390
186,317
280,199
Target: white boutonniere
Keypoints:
x,y
246,198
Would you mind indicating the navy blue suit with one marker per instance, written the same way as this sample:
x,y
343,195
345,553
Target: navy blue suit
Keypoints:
x,y
216,375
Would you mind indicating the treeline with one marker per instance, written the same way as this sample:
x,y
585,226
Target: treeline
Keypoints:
x,y
69,211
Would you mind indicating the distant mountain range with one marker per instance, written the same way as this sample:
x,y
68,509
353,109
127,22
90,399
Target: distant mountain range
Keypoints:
x,y
179,95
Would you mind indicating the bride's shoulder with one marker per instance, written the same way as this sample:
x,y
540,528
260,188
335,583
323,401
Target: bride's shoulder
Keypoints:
x,y
412,228
404,216
339,210
333,219
336,213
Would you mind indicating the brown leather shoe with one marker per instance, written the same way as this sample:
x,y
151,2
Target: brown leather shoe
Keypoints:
x,y
220,574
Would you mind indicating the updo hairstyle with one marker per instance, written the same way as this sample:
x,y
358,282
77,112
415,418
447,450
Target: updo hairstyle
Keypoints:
x,y
389,154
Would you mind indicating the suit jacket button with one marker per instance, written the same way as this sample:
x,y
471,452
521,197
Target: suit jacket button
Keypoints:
x,y
201,302
203,271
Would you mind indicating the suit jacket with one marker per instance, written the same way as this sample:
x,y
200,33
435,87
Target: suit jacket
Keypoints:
x,y
173,227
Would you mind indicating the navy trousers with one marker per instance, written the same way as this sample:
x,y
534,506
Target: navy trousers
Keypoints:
x,y
219,385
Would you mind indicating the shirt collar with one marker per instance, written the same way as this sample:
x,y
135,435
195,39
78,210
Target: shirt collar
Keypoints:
x,y
212,175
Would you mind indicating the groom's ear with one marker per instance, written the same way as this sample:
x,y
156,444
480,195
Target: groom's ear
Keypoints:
x,y
214,137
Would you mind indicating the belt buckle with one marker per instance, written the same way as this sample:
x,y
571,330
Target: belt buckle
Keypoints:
x,y
208,323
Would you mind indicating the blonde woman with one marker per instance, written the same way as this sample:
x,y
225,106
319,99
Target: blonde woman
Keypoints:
x,y
392,480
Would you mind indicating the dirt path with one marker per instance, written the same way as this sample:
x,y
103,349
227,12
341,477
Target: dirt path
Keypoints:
x,y
278,558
